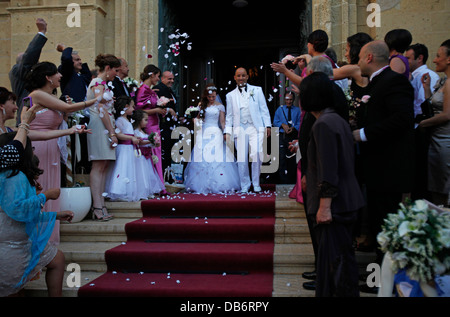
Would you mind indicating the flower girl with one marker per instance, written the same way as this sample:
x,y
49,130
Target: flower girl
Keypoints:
x,y
147,176
121,183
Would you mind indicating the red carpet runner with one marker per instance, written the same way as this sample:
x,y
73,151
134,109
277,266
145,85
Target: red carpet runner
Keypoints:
x,y
194,246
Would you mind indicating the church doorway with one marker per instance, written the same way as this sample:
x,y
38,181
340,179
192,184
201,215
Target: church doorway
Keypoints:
x,y
226,34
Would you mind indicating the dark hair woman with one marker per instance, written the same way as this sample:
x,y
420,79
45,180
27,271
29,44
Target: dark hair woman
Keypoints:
x,y
147,100
209,93
42,81
101,146
439,127
398,41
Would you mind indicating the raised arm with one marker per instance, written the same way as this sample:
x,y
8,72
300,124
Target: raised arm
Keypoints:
x,y
52,102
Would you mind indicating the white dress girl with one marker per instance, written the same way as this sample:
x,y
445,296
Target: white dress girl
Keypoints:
x,y
147,178
121,179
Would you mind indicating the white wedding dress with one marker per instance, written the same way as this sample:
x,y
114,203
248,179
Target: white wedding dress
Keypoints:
x,y
213,168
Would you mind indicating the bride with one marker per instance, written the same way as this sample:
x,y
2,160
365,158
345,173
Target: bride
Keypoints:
x,y
212,168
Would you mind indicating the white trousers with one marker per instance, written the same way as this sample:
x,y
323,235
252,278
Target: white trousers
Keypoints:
x,y
249,146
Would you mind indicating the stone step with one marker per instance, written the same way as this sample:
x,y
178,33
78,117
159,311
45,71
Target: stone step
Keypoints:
x,y
284,285
287,230
86,242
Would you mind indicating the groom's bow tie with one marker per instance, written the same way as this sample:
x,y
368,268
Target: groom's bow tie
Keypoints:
x,y
244,86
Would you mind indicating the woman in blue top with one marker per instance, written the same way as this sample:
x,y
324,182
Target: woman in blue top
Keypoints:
x,y
24,229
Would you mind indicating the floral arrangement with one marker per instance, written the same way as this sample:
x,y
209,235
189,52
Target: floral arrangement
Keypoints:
x,y
163,101
353,106
192,112
76,117
418,239
252,94
155,139
132,84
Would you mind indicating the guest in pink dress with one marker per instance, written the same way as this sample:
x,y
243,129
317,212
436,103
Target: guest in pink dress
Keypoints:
x,y
42,81
147,100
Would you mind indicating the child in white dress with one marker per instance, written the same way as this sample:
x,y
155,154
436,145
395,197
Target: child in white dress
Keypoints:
x,y
147,176
121,181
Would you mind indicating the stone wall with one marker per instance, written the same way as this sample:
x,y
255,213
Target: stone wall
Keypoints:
x,y
122,28
130,28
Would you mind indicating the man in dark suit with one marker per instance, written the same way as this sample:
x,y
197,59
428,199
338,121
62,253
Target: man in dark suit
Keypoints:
x,y
120,88
170,121
24,63
76,75
386,135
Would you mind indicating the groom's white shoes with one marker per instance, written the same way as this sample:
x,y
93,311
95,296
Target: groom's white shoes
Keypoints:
x,y
256,189
244,191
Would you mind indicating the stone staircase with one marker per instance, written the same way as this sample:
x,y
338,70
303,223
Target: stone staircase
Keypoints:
x,y
85,244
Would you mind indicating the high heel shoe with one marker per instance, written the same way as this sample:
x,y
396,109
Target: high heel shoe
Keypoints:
x,y
106,215
98,216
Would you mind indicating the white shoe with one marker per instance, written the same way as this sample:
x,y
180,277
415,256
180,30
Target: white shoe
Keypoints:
x,y
256,189
244,191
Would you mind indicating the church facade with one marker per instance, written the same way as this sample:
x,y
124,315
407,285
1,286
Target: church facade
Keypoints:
x,y
133,28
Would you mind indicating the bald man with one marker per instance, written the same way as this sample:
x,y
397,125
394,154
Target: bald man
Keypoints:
x,y
386,135
169,122
120,88
247,121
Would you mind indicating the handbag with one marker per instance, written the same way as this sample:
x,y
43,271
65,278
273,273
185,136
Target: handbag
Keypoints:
x,y
427,109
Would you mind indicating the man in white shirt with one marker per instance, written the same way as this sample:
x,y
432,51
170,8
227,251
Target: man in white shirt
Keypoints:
x,y
247,122
417,56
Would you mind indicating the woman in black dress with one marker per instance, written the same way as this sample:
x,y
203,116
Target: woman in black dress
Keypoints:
x,y
334,196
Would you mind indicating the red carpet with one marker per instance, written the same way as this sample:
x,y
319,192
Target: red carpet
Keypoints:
x,y
192,245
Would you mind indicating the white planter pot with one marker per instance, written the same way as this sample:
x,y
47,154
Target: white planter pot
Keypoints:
x,y
76,199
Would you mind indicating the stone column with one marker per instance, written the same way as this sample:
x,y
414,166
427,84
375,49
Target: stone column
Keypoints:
x,y
337,18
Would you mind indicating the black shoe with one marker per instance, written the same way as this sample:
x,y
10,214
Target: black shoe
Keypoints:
x,y
364,247
369,290
309,275
363,277
310,286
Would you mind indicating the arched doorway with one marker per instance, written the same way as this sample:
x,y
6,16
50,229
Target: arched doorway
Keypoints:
x,y
224,37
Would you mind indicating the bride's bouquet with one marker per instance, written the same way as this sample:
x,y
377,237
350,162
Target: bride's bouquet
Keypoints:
x,y
163,101
155,139
418,240
192,112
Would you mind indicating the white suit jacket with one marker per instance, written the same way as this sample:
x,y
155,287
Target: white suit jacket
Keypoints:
x,y
258,109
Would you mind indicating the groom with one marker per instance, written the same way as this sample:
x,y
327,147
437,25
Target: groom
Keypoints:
x,y
247,120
